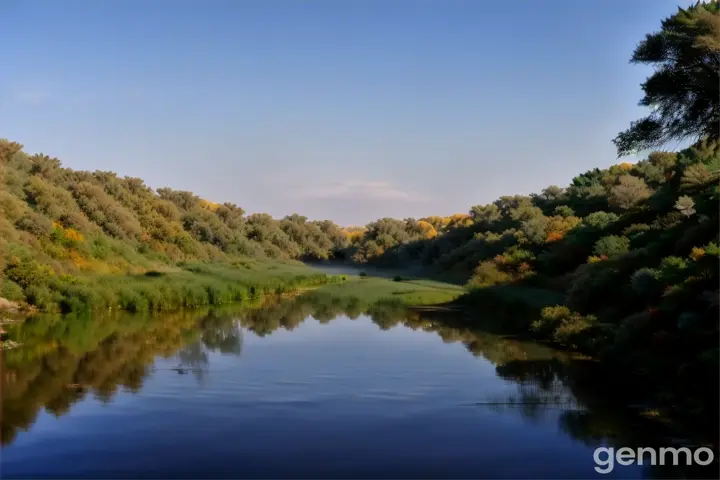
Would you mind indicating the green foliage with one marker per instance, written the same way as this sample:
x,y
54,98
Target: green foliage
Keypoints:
x,y
600,220
564,211
672,270
611,246
487,274
11,290
684,52
563,325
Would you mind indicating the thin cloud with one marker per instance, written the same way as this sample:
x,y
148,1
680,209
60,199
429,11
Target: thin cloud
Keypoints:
x,y
358,189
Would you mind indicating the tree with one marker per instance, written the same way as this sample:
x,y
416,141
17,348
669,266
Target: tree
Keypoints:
x,y
685,205
564,211
611,246
684,90
695,176
629,191
485,213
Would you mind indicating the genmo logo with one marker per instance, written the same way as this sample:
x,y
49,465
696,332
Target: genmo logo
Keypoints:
x,y
606,458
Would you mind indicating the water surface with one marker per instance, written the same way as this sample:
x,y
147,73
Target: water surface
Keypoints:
x,y
296,389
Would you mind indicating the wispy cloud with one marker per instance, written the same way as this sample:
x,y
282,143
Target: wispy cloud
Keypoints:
x,y
359,189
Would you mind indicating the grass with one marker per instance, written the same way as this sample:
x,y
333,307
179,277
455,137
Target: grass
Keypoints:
x,y
371,290
186,286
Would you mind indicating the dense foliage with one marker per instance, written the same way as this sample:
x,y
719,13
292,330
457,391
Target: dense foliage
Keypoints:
x,y
62,229
684,89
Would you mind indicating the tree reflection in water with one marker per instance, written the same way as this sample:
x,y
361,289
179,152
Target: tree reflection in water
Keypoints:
x,y
63,359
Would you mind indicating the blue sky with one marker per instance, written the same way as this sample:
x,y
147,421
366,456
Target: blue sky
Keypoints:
x,y
349,110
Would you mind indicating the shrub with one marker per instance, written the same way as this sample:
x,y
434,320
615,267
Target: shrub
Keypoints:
x,y
564,211
628,192
397,278
487,274
611,246
573,331
42,297
27,272
362,274
35,224
11,290
563,325
550,319
645,283
685,205
600,220
672,270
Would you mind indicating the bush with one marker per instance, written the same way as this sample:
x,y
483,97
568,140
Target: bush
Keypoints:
x,y
42,297
645,283
672,270
600,220
27,272
397,278
564,326
629,192
11,291
35,224
611,246
487,274
362,274
564,211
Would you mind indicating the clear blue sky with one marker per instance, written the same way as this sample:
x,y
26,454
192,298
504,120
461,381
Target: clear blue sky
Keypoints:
x,y
342,109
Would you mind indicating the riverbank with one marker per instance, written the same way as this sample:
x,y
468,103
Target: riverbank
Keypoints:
x,y
186,285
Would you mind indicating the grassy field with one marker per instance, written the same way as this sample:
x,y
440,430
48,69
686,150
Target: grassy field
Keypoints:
x,y
187,285
374,289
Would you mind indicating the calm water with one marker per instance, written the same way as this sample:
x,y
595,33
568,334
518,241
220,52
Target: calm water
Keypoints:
x,y
297,389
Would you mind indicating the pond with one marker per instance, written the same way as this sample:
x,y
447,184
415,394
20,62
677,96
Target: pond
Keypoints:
x,y
293,388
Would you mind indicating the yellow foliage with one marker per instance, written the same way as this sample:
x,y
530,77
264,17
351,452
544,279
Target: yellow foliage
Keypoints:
x,y
79,261
438,223
625,166
212,206
697,253
354,233
459,220
427,230
73,235
594,259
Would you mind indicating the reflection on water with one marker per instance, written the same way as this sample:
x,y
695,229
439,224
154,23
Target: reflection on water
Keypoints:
x,y
413,407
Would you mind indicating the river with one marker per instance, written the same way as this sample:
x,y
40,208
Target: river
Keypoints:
x,y
293,389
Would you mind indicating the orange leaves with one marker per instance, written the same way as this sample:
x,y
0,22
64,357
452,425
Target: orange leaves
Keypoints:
x,y
554,237
73,235
66,237
79,261
524,268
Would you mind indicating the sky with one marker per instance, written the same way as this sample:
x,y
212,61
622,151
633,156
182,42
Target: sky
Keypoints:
x,y
349,110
